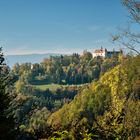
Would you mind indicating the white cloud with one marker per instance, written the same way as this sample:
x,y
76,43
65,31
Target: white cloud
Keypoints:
x,y
94,28
107,29
48,49
99,41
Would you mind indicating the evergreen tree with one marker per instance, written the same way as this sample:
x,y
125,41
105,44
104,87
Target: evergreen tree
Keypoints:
x,y
5,123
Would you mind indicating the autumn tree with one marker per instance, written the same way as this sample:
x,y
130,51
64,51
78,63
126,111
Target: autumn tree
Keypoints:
x,y
126,37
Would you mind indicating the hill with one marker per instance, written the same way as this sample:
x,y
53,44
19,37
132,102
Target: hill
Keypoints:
x,y
107,109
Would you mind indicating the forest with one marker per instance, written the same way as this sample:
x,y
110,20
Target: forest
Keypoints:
x,y
74,97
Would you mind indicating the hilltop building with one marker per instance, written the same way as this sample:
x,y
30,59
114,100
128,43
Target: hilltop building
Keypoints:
x,y
105,53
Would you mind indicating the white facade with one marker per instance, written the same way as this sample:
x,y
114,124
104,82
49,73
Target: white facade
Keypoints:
x,y
101,52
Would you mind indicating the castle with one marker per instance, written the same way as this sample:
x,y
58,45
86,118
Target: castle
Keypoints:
x,y
104,53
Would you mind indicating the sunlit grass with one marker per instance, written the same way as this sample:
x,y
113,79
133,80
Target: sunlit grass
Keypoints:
x,y
52,87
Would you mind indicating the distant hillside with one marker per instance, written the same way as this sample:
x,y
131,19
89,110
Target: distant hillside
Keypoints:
x,y
32,58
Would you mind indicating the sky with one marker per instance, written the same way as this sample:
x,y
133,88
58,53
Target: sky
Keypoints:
x,y
59,26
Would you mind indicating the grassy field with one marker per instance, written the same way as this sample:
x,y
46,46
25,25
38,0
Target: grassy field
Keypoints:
x,y
52,87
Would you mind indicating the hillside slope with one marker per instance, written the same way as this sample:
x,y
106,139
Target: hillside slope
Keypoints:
x,y
103,106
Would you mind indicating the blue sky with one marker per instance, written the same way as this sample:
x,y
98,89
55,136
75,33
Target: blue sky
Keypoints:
x,y
58,26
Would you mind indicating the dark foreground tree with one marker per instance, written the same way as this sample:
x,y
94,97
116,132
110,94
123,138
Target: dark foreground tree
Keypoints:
x,y
6,123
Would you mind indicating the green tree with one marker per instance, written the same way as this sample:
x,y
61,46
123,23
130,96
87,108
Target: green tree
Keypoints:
x,y
6,124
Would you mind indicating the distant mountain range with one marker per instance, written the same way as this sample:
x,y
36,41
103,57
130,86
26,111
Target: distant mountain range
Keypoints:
x,y
31,58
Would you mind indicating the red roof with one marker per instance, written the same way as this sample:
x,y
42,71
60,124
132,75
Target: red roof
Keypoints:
x,y
99,51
